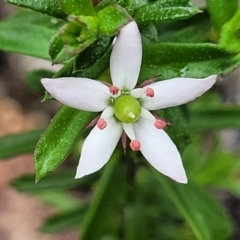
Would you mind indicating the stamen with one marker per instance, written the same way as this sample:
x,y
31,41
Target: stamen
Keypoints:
x,y
93,122
114,90
149,92
160,124
124,142
101,124
135,145
148,82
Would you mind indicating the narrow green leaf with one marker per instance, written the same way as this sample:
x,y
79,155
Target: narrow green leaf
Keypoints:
x,y
23,39
215,117
205,216
15,144
61,200
36,18
106,201
59,138
192,30
92,54
64,221
169,60
104,3
57,51
77,7
128,5
230,34
50,7
165,10
32,80
60,180
135,224
111,19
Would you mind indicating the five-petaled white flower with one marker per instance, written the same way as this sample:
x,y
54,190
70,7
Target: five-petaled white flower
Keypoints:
x,y
127,109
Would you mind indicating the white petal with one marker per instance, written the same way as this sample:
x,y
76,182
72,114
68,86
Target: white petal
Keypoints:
x,y
159,150
98,148
81,93
177,91
126,57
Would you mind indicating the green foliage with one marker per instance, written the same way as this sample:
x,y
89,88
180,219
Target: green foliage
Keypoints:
x,y
59,138
89,56
208,221
186,60
21,143
23,39
60,180
73,38
51,8
165,10
77,7
109,196
111,19
64,221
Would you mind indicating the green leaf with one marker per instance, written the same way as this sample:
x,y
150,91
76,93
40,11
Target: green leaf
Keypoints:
x,y
73,38
36,18
61,200
111,19
169,60
57,51
15,144
59,138
104,3
216,167
50,7
77,7
32,80
215,117
135,223
64,221
92,54
192,30
60,180
230,34
204,215
128,5
106,201
165,10
23,39
221,11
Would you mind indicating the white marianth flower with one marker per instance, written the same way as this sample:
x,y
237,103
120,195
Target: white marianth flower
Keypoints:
x,y
127,109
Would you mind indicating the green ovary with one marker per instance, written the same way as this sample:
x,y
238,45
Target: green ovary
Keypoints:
x,y
127,109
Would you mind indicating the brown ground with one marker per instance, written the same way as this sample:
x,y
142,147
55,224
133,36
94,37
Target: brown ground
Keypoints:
x,y
21,215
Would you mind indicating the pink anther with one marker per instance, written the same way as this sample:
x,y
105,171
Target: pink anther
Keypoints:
x,y
114,90
101,124
135,145
160,124
149,92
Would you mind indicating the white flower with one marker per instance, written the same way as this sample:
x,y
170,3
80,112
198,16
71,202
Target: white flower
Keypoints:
x,y
126,108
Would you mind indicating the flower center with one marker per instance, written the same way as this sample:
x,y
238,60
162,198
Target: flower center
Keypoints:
x,y
127,109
